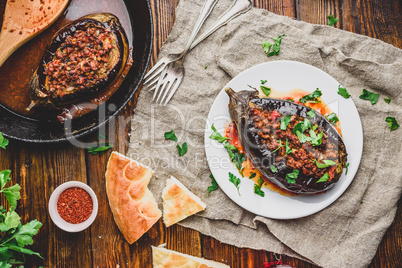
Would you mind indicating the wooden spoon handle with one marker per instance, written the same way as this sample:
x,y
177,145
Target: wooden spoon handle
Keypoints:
x,y
10,43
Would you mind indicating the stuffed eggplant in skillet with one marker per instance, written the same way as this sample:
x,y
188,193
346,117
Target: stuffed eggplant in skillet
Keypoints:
x,y
292,146
83,59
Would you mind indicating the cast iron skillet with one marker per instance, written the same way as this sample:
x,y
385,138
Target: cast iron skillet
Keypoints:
x,y
26,129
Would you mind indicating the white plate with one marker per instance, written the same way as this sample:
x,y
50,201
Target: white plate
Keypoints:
x,y
283,76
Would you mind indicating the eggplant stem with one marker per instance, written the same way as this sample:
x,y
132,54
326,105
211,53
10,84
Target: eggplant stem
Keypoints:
x,y
31,105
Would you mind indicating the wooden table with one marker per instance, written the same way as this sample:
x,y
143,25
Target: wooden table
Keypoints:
x,y
40,169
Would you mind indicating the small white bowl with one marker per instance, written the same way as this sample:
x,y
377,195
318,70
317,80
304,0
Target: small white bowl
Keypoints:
x,y
54,214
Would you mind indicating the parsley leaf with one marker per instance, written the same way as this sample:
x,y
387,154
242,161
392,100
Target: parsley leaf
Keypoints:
x,y
170,136
101,148
235,180
263,81
3,141
12,194
288,149
343,92
312,97
289,99
11,220
291,177
214,185
182,150
311,114
285,122
367,95
347,168
387,100
326,163
302,126
235,156
257,187
392,123
276,47
332,20
301,136
206,66
252,175
274,169
4,177
266,90
217,136
332,118
315,139
324,178
280,146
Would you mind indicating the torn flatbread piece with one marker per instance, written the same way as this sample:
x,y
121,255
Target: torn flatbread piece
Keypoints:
x,y
134,207
165,258
179,202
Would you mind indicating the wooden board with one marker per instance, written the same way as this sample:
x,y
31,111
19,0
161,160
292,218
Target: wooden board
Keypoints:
x,y
40,169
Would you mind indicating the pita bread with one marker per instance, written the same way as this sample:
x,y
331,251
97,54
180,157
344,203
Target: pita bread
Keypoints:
x,y
134,208
165,258
179,202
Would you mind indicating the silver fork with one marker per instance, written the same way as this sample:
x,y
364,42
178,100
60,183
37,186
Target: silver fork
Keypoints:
x,y
169,71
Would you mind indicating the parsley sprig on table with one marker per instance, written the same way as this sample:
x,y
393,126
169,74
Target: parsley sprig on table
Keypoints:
x,y
14,235
276,47
332,20
3,141
214,185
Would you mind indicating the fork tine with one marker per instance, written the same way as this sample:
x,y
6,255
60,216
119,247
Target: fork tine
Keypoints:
x,y
154,68
154,76
166,86
172,91
152,86
159,84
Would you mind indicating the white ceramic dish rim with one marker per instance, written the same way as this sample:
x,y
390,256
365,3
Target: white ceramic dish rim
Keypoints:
x,y
254,203
54,215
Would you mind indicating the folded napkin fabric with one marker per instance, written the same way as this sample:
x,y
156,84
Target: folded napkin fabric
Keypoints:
x,y
345,234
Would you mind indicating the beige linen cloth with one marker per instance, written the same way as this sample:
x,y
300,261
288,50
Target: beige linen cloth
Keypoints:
x,y
345,234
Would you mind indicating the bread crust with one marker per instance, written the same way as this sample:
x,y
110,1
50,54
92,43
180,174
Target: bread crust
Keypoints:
x,y
133,206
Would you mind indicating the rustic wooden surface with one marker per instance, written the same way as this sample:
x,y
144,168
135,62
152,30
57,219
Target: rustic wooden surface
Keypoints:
x,y
40,169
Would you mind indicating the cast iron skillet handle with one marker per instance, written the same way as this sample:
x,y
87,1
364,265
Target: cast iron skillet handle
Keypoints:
x,y
238,7
205,11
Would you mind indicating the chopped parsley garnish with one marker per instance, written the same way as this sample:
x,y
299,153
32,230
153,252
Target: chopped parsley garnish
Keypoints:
x,y
324,178
387,100
315,139
347,168
182,150
327,163
288,149
332,118
289,99
301,136
263,82
235,156
311,114
3,141
302,126
276,47
252,175
291,177
98,149
170,136
217,136
332,20
314,127
370,96
235,180
285,122
214,185
274,169
343,92
257,188
206,66
280,146
392,123
312,97
266,90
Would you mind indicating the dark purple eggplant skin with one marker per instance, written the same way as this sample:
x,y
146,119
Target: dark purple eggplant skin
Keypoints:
x,y
239,108
38,92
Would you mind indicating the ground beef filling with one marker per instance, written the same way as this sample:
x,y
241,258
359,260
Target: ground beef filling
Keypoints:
x,y
80,61
303,155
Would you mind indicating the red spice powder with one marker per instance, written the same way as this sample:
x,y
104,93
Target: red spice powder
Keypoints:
x,y
74,205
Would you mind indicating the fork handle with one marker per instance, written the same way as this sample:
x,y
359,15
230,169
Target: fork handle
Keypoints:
x,y
237,8
205,11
